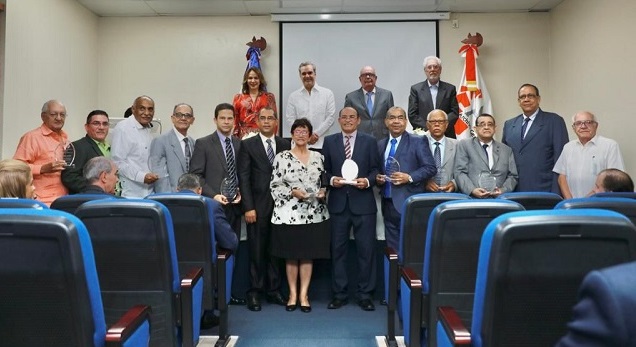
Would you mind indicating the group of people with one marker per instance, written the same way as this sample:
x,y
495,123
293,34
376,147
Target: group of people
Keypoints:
x,y
300,202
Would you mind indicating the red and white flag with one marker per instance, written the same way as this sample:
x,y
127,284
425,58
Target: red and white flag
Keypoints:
x,y
472,97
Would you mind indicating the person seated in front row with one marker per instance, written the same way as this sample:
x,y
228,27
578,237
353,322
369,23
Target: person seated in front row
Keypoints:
x,y
16,180
101,175
613,180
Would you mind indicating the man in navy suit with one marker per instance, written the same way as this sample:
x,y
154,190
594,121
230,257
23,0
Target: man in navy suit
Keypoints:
x,y
416,167
604,315
352,203
537,139
371,103
433,94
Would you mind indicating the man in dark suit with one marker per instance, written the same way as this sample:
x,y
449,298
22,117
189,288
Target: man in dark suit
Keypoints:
x,y
213,160
604,314
433,94
371,103
170,153
443,150
100,174
416,167
483,155
255,172
352,203
537,139
90,146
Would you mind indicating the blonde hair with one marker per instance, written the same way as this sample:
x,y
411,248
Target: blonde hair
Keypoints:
x,y
15,175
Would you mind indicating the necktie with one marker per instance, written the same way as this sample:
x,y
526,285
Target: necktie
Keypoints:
x,y
188,153
104,148
485,147
526,120
231,164
270,151
370,103
387,185
348,147
434,94
437,155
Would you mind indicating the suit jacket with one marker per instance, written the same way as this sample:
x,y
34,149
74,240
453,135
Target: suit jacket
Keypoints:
x,y
415,158
73,177
365,154
604,314
539,151
448,163
208,162
471,160
255,174
421,103
371,124
168,161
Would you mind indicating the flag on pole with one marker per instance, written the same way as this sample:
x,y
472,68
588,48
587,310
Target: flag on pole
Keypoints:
x,y
473,97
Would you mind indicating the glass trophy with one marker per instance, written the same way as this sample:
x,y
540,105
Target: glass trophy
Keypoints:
x,y
487,181
65,152
391,166
312,190
229,189
157,165
349,171
440,178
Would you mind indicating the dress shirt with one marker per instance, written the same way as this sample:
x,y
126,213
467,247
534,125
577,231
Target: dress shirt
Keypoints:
x,y
581,163
181,143
388,147
373,92
264,141
442,146
434,88
130,149
103,147
319,108
489,151
37,148
222,138
530,122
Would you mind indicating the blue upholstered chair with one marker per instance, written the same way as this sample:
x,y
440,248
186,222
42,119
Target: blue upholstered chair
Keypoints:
x,y
533,200
49,288
22,203
629,195
530,267
625,206
70,203
136,260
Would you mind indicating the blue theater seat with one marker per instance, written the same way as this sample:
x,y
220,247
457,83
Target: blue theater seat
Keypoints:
x,y
624,206
629,195
22,203
533,200
70,203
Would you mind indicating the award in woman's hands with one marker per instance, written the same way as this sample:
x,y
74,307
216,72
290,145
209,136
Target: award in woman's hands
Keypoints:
x,y
229,189
391,166
487,181
65,152
349,172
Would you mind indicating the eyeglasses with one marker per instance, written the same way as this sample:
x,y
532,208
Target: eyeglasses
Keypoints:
x,y
98,124
442,121
527,96
267,119
368,75
58,114
301,132
588,123
182,115
432,67
486,125
348,117
400,118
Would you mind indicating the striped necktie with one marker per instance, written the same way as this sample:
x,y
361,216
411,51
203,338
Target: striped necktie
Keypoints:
x,y
270,151
231,163
347,146
188,153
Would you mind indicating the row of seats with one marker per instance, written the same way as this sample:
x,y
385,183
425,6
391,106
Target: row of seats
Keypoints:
x,y
132,247
438,260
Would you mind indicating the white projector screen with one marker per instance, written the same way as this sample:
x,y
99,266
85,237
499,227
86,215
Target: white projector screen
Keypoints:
x,y
340,49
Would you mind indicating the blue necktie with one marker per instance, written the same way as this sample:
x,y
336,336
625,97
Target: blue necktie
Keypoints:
x,y
437,155
231,164
370,103
526,120
387,185
270,151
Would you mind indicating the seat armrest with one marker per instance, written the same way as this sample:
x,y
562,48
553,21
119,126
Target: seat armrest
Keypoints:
x,y
223,282
450,330
390,291
132,329
411,304
191,306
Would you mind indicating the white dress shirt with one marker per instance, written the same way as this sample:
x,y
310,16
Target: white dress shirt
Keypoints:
x,y
130,149
319,108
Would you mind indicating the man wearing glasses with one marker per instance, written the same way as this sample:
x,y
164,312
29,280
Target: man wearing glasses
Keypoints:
x,y
443,149
171,152
537,139
584,158
90,146
37,148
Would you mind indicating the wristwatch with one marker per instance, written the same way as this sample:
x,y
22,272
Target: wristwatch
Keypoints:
x,y
410,179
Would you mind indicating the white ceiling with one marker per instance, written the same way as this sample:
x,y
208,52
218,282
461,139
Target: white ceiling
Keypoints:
x,y
110,8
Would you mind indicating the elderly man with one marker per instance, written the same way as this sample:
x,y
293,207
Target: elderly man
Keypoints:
x,y
90,146
131,149
371,102
433,94
170,153
313,102
613,180
443,149
101,175
582,159
38,148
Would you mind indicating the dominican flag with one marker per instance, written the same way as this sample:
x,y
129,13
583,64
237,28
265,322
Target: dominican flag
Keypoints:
x,y
472,97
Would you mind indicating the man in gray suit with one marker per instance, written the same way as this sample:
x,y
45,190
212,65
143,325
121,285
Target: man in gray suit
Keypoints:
x,y
483,155
443,149
371,103
171,152
433,94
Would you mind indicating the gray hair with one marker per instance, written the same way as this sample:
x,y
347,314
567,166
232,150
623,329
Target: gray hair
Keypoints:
x,y
435,111
584,112
174,110
45,107
432,57
189,181
307,63
94,168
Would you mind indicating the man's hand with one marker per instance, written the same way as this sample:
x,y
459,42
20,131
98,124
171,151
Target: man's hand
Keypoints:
x,y
250,216
53,166
313,139
237,199
361,183
431,186
449,187
495,193
150,178
221,199
399,178
380,179
480,193
337,182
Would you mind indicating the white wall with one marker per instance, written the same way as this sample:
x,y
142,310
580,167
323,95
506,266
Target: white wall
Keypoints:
x,y
50,53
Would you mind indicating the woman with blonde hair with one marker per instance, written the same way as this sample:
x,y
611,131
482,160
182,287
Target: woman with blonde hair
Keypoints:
x,y
16,180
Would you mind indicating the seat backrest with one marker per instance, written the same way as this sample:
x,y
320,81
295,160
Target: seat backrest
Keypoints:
x,y
22,203
136,259
415,213
533,200
194,236
531,265
70,203
625,206
48,283
629,195
453,237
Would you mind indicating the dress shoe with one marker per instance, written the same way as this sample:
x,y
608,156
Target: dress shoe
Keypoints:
x,y
383,302
337,303
276,298
290,308
209,320
253,303
366,305
236,301
305,309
